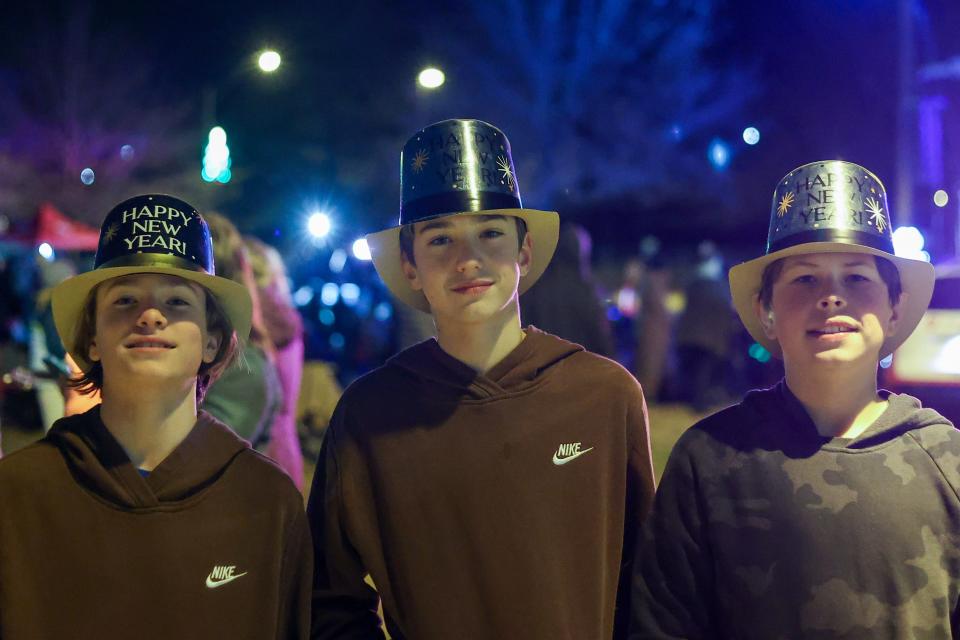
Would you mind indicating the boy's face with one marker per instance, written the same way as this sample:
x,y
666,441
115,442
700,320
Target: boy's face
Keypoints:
x,y
468,267
829,307
152,327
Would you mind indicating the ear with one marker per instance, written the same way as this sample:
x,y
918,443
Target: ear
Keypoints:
x,y
212,346
766,318
410,273
93,352
525,259
894,323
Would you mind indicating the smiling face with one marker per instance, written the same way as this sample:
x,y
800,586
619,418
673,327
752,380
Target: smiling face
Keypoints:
x,y
151,327
468,266
829,308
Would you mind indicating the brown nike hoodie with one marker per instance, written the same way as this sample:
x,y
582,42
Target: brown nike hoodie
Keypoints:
x,y
484,506
213,543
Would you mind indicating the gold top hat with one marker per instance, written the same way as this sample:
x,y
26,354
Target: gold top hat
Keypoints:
x,y
831,207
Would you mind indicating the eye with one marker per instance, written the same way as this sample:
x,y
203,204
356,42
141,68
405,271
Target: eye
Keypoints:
x,y
177,301
491,233
857,277
437,241
124,300
805,279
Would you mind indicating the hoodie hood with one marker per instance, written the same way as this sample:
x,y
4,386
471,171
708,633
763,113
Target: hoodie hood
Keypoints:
x,y
100,465
528,365
903,413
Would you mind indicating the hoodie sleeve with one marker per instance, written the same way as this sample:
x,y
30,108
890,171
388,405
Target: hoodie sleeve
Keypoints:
x,y
673,577
296,579
641,485
344,606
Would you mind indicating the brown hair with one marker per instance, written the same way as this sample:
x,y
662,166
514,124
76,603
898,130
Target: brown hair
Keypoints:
x,y
407,234
887,270
92,380
233,262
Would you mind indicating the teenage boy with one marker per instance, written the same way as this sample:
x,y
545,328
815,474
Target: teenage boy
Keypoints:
x,y
822,507
490,480
142,518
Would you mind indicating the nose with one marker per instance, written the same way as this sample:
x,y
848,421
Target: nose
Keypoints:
x,y
468,258
832,302
151,318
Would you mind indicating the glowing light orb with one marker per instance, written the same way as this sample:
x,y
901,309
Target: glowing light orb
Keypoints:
x,y
269,61
431,78
751,135
941,198
87,176
319,224
360,249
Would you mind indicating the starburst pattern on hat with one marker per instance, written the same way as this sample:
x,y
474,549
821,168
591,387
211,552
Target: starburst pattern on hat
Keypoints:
x,y
420,160
876,214
504,165
785,203
110,233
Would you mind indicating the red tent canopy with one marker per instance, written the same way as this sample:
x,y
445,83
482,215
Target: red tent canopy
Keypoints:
x,y
62,233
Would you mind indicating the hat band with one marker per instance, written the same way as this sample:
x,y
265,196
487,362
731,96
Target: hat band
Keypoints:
x,y
153,260
455,202
842,236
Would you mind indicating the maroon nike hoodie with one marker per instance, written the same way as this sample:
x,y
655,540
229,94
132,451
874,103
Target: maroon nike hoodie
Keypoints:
x,y
212,544
484,506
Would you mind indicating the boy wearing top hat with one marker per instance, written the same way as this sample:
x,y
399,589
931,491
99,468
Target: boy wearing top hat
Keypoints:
x,y
143,517
490,480
822,507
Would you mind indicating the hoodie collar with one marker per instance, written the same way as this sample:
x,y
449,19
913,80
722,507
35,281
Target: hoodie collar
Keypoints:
x,y
99,463
903,413
519,369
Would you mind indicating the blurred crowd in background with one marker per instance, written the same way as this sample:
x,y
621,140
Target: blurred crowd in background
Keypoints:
x,y
663,314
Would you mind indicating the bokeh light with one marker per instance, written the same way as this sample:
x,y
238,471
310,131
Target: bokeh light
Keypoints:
x,y
719,154
751,135
431,78
319,224
360,249
941,198
269,61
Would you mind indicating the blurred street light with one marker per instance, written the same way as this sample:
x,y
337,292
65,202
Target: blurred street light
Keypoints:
x,y
431,78
269,61
940,198
319,224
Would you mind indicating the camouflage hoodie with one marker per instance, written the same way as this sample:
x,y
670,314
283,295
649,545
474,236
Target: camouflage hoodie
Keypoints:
x,y
762,528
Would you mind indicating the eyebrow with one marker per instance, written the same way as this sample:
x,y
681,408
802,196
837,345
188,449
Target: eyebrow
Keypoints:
x,y
811,265
443,223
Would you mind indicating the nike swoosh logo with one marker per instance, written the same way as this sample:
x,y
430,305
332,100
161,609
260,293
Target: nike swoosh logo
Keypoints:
x,y
213,584
559,461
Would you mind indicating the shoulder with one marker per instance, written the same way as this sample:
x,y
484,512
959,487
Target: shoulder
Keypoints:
x,y
267,479
28,465
598,369
709,438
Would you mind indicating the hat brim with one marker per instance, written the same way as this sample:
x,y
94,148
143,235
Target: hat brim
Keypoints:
x,y
69,296
542,226
916,279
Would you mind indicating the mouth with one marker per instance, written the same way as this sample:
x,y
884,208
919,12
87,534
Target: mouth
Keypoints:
x,y
833,328
149,343
473,287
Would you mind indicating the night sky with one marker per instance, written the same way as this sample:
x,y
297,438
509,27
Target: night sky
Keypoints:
x,y
328,127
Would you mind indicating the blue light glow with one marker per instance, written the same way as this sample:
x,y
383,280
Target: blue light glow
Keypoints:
x,y
719,154
329,294
751,135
